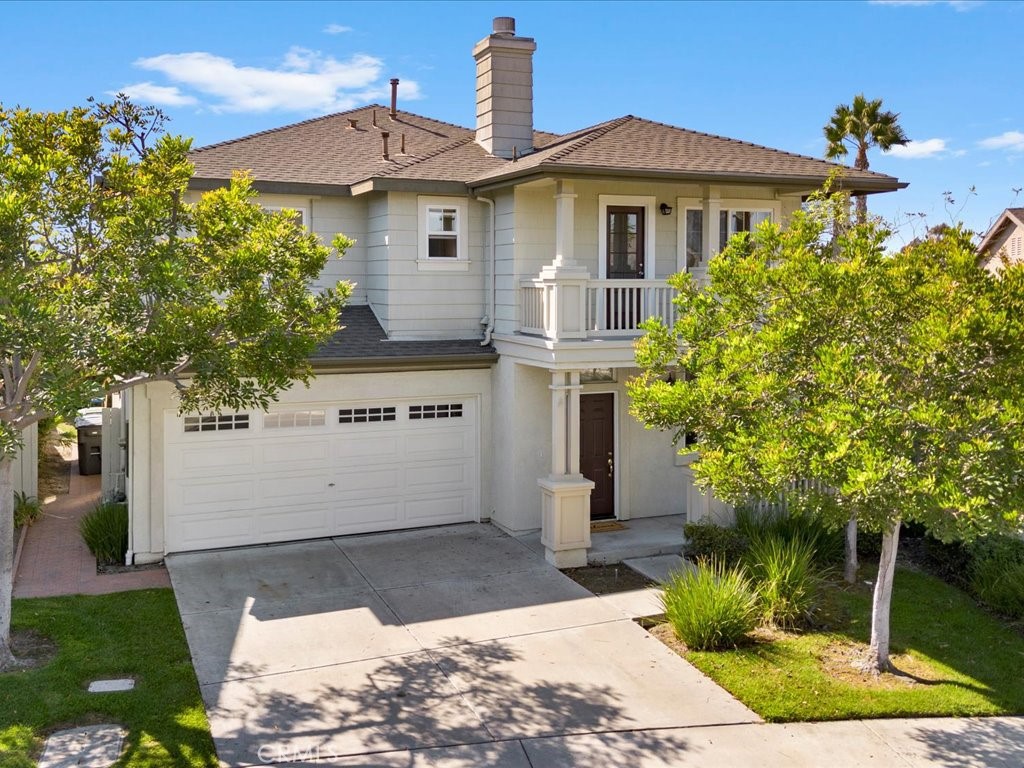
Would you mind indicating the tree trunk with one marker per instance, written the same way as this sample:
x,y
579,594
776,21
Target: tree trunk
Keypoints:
x,y
878,652
862,209
851,565
6,559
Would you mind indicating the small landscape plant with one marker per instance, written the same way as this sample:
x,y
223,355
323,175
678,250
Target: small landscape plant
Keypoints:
x,y
707,541
710,606
997,574
105,531
785,578
27,509
786,526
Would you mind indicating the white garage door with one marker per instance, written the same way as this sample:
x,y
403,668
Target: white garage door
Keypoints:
x,y
309,470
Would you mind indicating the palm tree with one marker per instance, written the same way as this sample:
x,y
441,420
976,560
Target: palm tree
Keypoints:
x,y
862,125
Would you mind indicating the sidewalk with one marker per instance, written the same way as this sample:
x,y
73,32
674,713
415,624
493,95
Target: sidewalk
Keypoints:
x,y
56,561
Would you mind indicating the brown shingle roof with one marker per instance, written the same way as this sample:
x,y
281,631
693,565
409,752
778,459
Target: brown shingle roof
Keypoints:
x,y
646,147
327,152
362,340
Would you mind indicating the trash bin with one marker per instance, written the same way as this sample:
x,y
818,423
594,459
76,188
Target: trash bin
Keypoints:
x,y
90,441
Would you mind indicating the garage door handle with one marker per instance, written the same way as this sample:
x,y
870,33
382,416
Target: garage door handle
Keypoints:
x,y
330,485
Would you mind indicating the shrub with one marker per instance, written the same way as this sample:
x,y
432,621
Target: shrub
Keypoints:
x,y
950,562
710,606
105,531
27,509
707,541
997,574
785,579
828,544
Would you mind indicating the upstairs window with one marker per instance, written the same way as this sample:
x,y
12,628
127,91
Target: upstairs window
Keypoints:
x,y
442,233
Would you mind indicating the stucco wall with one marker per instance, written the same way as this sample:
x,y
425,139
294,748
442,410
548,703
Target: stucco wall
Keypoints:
x,y
522,443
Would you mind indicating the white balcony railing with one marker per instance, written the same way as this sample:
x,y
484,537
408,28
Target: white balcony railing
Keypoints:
x,y
617,307
604,308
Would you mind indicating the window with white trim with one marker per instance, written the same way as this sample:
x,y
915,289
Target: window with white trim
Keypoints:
x,y
694,237
301,214
216,422
290,419
442,233
736,220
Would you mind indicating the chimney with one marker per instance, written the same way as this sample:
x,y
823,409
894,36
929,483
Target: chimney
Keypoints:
x,y
504,90
394,97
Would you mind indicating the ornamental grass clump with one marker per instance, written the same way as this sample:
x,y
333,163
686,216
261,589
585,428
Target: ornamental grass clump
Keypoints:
x,y
710,606
785,578
105,531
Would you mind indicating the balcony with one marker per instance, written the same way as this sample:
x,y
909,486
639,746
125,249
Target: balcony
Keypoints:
x,y
584,308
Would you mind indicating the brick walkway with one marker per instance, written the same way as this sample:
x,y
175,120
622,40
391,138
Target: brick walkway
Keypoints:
x,y
56,561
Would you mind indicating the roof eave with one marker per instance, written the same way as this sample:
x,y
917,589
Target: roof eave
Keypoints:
x,y
420,186
205,184
381,364
548,170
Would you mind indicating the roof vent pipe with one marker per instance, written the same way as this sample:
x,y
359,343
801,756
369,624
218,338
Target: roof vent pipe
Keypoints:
x,y
352,123
394,97
374,122
403,143
384,135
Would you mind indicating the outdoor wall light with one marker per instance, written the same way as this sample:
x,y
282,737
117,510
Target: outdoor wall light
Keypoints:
x,y
666,209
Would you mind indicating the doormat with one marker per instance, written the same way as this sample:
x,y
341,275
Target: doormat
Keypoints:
x,y
606,526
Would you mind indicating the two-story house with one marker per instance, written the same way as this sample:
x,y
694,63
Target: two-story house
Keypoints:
x,y
501,274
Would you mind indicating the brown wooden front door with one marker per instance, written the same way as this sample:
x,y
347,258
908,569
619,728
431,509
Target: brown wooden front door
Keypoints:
x,y
625,261
597,452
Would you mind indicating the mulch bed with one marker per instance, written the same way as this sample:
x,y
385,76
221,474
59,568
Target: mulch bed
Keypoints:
x,y
608,579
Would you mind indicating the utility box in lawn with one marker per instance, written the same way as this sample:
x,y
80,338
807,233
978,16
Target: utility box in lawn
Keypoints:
x,y
90,441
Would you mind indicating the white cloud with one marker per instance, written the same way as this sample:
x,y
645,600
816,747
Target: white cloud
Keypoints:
x,y
336,29
305,81
915,150
150,93
1011,140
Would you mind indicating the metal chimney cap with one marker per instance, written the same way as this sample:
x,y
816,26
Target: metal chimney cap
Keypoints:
x,y
504,25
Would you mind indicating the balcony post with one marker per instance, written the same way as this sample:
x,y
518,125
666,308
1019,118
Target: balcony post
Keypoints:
x,y
564,280
565,494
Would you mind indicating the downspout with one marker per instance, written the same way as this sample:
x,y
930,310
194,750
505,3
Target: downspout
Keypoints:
x,y
488,319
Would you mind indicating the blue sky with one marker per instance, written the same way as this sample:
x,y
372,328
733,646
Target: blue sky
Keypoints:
x,y
770,73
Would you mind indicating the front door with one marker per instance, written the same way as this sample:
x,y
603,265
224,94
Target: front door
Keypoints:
x,y
625,261
597,452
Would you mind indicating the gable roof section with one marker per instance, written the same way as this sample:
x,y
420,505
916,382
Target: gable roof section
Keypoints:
x,y
643,147
326,154
1011,216
325,151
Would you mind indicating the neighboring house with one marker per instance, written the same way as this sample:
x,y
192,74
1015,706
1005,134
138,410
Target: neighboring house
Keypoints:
x,y
500,278
1004,240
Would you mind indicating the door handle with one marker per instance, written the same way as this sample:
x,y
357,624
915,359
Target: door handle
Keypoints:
x,y
611,467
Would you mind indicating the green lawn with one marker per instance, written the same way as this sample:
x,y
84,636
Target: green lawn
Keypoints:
x,y
131,634
966,662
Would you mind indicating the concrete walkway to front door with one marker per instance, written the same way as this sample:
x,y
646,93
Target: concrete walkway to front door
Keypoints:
x,y
458,637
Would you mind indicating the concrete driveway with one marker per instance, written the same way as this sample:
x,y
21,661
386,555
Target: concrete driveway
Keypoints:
x,y
451,646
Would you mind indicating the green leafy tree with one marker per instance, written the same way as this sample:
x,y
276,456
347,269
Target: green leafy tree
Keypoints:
x,y
860,126
110,278
849,381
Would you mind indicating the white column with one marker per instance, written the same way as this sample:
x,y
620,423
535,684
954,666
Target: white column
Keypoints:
x,y
565,495
712,210
565,224
565,281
